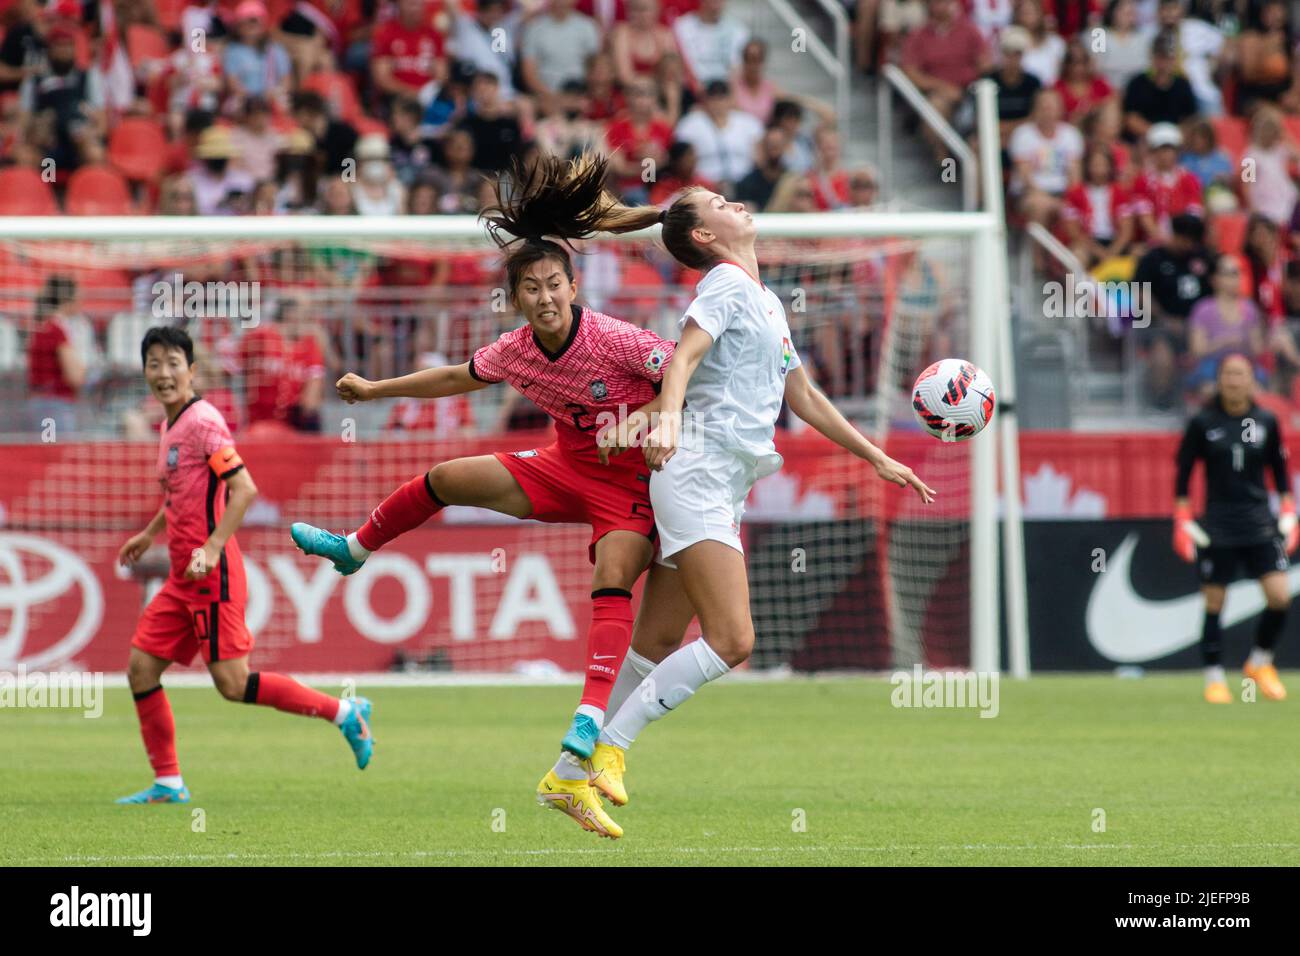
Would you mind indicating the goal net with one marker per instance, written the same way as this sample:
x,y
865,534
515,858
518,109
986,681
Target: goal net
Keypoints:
x,y
845,570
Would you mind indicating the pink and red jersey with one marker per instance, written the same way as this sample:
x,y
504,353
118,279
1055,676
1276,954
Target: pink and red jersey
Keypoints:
x,y
606,366
195,453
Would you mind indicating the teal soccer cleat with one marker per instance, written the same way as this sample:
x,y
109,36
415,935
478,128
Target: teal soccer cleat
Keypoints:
x,y
581,738
324,544
356,730
158,794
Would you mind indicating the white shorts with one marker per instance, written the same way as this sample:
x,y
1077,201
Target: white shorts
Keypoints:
x,y
699,496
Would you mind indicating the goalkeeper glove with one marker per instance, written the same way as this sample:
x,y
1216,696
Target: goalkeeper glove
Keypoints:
x,y
1288,527
1188,535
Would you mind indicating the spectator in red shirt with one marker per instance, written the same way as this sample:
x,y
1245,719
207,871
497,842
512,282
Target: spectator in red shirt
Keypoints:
x,y
1098,210
943,57
302,386
639,44
829,181
55,370
1165,189
408,54
637,134
1082,89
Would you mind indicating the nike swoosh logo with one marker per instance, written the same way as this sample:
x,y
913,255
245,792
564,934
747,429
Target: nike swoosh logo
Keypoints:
x,y
603,657
1129,629
663,705
525,385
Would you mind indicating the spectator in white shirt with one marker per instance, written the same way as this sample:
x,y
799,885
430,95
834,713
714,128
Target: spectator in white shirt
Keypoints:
x,y
1199,46
1127,51
487,39
711,42
555,50
1044,56
1046,152
723,136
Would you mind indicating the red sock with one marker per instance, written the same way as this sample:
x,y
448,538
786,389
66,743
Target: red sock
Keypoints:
x,y
408,507
286,694
158,729
607,643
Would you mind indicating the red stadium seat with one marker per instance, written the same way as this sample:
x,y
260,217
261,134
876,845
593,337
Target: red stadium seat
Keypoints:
x,y
339,93
169,13
145,43
138,148
97,191
1232,133
1229,231
1292,126
24,193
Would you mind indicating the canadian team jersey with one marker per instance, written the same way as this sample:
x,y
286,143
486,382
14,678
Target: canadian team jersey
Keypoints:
x,y
734,396
195,454
606,369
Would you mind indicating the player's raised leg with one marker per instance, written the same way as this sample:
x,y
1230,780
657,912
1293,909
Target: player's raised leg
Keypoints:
x,y
1216,685
481,481
661,624
1259,666
235,682
157,728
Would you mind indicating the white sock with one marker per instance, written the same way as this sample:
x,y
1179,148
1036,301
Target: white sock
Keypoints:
x,y
668,686
345,711
592,711
354,548
570,767
1260,657
1214,675
175,782
635,669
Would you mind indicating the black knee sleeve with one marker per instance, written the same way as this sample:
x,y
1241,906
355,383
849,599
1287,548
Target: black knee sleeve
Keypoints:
x,y
1211,648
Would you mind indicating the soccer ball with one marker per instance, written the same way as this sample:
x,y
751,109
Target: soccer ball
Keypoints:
x,y
953,400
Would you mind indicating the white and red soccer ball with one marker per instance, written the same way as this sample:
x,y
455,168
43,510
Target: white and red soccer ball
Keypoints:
x,y
953,400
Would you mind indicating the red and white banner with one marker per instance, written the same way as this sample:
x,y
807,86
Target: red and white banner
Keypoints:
x,y
467,592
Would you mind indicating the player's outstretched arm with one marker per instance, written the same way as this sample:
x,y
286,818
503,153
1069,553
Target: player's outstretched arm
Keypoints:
x,y
242,492
426,383
811,404
614,438
138,544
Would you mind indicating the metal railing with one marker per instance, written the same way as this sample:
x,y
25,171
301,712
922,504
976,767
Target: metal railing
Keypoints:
x,y
895,80
838,64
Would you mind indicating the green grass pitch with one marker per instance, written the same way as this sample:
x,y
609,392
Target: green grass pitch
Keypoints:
x,y
749,773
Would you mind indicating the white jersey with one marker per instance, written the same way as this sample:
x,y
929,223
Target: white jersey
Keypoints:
x,y
734,396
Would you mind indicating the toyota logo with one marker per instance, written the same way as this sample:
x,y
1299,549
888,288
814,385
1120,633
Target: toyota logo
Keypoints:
x,y
18,596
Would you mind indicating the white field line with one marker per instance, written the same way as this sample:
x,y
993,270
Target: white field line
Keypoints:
x,y
613,852
199,678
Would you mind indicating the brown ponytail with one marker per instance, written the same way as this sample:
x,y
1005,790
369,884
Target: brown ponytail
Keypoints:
x,y
564,199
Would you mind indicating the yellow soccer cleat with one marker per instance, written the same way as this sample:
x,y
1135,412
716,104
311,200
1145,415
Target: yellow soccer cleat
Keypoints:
x,y
1266,679
1218,693
578,799
607,769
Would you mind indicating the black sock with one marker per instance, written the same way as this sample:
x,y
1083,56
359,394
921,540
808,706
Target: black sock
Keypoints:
x,y
1270,628
1211,652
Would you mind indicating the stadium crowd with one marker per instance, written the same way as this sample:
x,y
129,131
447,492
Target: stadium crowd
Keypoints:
x,y
1156,138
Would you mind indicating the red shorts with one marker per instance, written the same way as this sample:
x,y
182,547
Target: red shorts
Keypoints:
x,y
175,628
564,489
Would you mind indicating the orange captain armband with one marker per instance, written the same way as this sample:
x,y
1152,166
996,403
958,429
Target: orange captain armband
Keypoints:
x,y
225,461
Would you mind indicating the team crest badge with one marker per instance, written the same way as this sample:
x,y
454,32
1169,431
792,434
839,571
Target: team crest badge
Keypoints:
x,y
656,359
598,390
173,456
